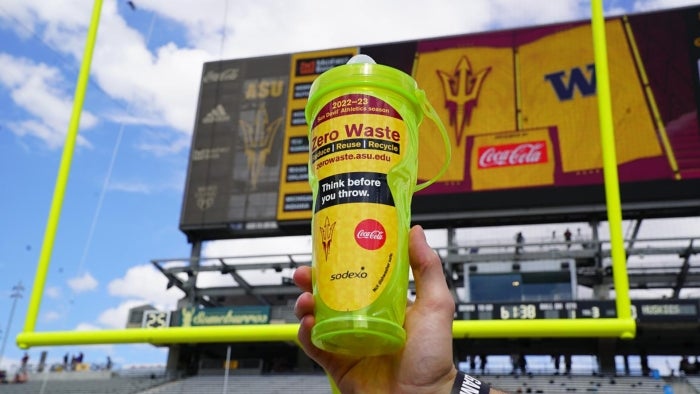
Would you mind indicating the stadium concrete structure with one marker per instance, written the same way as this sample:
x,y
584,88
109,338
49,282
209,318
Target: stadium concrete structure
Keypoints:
x,y
664,326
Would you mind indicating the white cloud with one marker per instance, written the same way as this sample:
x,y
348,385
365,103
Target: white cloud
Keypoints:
x,y
279,249
649,5
55,23
65,24
164,82
304,26
53,291
214,279
51,316
270,27
130,187
509,13
40,91
87,327
161,83
165,146
145,283
257,246
83,283
116,317
161,87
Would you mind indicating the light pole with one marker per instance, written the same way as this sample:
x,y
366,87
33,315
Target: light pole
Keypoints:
x,y
17,291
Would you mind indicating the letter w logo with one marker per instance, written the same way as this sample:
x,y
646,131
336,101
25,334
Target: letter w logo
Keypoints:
x,y
577,80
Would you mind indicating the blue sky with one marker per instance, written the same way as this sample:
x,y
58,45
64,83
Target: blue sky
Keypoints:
x,y
124,194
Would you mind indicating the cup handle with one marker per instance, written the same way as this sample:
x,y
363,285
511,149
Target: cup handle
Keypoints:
x,y
429,111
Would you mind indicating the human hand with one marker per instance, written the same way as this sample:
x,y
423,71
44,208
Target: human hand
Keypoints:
x,y
425,364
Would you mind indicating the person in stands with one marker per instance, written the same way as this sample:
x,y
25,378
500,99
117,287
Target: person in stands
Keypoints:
x,y
567,238
519,242
425,364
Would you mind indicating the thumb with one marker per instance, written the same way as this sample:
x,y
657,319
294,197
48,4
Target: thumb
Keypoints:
x,y
431,286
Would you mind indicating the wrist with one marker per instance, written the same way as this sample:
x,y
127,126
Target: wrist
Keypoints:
x,y
442,384
465,384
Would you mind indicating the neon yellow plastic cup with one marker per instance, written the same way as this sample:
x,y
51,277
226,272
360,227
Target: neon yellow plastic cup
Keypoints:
x,y
363,131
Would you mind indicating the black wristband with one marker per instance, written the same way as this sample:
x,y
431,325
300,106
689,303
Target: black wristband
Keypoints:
x,y
465,384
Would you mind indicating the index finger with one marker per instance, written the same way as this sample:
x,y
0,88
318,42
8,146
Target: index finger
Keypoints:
x,y
302,278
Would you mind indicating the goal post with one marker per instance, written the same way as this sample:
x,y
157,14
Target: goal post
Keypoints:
x,y
623,326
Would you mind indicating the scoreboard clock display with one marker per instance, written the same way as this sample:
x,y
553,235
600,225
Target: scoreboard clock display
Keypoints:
x,y
642,310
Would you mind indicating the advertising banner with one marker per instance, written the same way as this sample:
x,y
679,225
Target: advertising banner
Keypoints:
x,y
233,176
224,316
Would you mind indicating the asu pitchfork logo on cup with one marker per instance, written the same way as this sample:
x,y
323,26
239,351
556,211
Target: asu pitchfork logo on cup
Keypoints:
x,y
327,236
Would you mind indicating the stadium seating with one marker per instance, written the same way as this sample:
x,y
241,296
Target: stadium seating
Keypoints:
x,y
318,384
114,385
547,384
268,384
694,381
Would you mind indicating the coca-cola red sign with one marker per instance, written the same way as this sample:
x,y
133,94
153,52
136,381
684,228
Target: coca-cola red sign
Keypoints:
x,y
370,234
512,154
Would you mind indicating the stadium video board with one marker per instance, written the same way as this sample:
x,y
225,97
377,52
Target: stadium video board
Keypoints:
x,y
521,111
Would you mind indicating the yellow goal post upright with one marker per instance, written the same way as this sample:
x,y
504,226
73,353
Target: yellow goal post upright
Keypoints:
x,y
623,326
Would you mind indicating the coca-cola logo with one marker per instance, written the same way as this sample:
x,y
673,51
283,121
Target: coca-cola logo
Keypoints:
x,y
229,74
512,154
370,234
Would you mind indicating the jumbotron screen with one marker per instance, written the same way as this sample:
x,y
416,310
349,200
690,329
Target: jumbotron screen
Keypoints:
x,y
521,111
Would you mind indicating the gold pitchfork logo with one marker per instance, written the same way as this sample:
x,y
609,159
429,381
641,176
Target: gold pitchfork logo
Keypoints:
x,y
187,314
461,89
257,140
327,236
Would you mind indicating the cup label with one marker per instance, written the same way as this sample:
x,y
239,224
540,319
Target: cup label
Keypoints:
x,y
356,142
